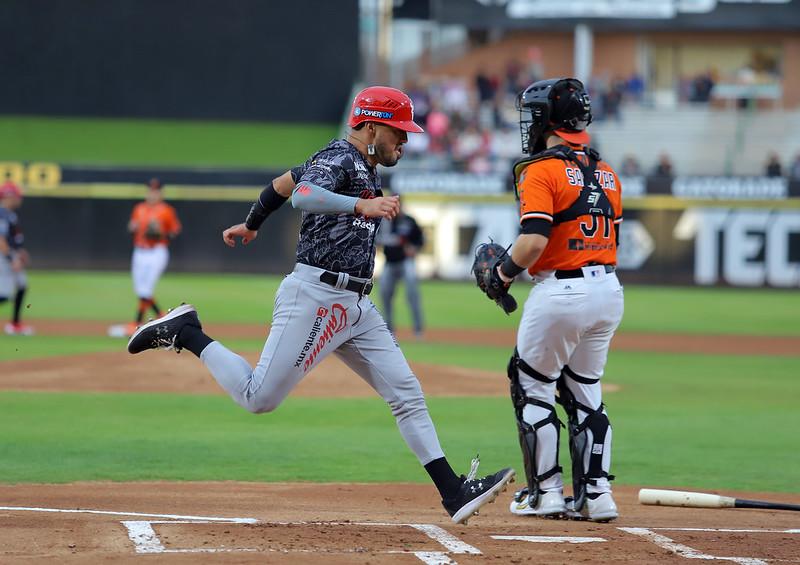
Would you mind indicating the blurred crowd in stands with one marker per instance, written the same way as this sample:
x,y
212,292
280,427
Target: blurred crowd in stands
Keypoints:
x,y
772,168
697,88
472,125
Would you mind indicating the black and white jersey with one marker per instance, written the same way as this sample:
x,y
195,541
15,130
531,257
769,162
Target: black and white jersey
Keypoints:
x,y
10,229
399,233
339,242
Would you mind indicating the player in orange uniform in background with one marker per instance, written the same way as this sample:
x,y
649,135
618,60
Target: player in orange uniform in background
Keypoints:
x,y
153,224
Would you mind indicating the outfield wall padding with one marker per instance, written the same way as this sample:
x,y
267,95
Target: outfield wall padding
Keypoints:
x,y
748,244
91,233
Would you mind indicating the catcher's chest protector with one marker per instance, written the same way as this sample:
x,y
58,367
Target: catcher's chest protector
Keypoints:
x,y
592,199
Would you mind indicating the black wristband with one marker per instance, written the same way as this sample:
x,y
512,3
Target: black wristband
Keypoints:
x,y
255,217
268,201
509,268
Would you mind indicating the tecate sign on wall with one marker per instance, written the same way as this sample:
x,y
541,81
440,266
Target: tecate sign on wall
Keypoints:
x,y
635,245
453,183
731,188
743,247
454,230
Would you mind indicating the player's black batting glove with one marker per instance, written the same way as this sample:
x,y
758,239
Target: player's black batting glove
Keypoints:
x,y
487,258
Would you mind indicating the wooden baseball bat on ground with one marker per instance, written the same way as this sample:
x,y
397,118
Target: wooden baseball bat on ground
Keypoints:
x,y
658,497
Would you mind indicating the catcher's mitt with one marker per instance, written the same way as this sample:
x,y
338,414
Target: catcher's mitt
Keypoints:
x,y
487,257
153,231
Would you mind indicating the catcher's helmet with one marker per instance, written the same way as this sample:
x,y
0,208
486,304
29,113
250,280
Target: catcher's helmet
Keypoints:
x,y
384,105
559,105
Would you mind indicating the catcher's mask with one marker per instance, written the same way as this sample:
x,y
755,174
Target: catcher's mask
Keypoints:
x,y
557,105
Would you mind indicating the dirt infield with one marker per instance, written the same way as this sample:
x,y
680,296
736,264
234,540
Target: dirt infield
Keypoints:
x,y
157,371
234,522
361,524
661,342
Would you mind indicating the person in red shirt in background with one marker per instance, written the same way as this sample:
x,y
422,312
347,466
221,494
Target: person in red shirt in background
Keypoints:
x,y
153,223
13,257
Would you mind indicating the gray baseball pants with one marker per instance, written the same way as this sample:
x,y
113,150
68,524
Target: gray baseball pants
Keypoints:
x,y
311,320
392,273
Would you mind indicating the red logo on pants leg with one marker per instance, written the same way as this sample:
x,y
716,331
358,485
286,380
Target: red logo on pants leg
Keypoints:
x,y
323,330
342,317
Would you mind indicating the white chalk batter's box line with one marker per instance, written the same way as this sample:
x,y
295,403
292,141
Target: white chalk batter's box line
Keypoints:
x,y
146,541
687,552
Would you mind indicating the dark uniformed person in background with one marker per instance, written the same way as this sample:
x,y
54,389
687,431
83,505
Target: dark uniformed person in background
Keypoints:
x,y
401,239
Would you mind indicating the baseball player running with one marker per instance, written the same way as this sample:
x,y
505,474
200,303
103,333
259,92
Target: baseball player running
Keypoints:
x,y
323,307
570,204
13,257
153,224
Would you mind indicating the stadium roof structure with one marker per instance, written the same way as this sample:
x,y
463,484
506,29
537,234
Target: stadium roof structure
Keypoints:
x,y
654,15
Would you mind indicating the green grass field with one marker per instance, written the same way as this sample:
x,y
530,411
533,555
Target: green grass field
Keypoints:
x,y
245,298
160,142
702,421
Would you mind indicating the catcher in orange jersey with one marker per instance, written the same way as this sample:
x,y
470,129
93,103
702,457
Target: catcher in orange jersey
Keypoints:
x,y
153,224
570,213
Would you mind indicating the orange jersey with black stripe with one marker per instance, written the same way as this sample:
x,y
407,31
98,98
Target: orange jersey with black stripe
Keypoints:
x,y
161,214
551,186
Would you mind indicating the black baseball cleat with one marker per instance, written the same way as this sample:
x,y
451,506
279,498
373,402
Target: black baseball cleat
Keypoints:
x,y
474,493
162,333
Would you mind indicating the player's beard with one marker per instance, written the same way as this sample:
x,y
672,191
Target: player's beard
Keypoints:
x,y
387,154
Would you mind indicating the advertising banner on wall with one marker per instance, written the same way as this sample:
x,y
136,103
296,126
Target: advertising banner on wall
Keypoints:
x,y
727,231
742,247
685,243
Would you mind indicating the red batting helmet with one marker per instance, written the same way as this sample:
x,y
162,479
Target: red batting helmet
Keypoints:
x,y
384,105
9,188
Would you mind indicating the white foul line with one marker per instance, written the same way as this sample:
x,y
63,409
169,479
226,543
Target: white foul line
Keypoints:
x,y
109,513
684,550
549,539
729,530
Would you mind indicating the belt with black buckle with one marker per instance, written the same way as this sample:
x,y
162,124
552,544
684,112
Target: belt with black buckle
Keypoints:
x,y
360,288
578,273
